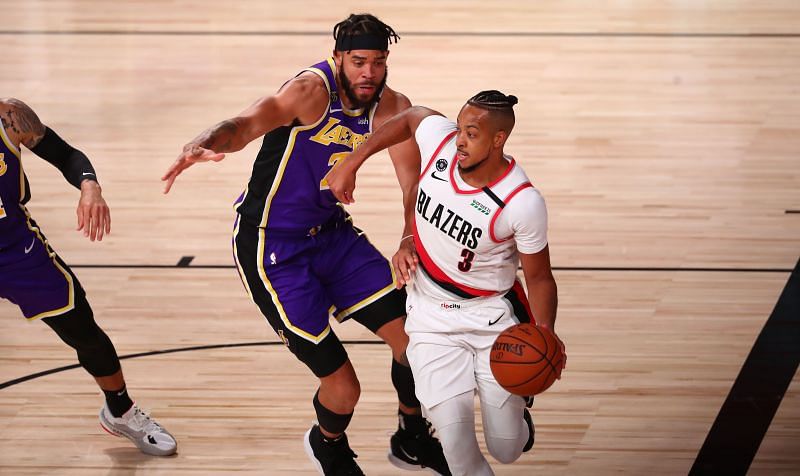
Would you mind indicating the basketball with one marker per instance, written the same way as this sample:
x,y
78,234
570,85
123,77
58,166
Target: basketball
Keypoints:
x,y
526,359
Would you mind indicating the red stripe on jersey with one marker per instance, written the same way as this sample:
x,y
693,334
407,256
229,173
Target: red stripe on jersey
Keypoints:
x,y
520,293
437,272
500,210
467,192
438,149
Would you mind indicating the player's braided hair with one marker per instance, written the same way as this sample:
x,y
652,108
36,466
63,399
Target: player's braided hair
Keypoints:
x,y
364,23
493,100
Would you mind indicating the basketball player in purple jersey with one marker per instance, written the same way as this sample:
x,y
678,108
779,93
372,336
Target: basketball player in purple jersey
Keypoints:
x,y
34,277
299,255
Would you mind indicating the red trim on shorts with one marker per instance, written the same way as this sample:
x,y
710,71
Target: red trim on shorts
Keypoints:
x,y
437,273
500,210
469,192
438,149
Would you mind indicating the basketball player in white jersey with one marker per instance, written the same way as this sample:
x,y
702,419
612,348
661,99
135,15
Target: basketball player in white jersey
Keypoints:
x,y
477,217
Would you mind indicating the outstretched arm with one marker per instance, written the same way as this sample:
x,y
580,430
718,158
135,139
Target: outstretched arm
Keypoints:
x,y
302,98
401,127
22,123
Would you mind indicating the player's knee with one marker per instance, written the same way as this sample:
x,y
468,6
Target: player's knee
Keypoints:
x,y
394,334
504,450
461,450
78,329
346,391
350,392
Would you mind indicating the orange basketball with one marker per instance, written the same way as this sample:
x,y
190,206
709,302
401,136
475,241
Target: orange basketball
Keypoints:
x,y
526,359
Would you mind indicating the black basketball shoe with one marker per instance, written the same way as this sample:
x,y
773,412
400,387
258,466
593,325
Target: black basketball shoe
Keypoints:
x,y
331,457
413,447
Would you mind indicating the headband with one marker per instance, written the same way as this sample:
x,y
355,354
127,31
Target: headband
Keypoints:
x,y
365,41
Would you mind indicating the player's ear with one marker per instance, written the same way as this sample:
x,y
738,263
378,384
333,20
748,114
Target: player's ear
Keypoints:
x,y
337,58
499,138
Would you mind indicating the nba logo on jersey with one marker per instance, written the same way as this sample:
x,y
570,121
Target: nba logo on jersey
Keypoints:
x,y
441,164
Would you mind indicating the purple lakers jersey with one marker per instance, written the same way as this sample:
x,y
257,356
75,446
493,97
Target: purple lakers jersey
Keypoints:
x,y
13,196
288,190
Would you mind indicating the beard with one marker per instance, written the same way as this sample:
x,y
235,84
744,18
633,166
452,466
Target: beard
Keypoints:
x,y
347,86
472,167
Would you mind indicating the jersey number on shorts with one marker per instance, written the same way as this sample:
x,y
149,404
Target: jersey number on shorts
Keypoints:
x,y
332,161
466,263
2,211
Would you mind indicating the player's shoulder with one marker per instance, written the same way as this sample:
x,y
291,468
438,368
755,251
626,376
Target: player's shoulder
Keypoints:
x,y
393,102
306,95
20,121
523,191
12,104
307,83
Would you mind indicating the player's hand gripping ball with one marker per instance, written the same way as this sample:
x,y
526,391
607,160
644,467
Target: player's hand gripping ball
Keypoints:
x,y
527,359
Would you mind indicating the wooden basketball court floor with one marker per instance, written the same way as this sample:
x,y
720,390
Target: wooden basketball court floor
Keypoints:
x,y
664,136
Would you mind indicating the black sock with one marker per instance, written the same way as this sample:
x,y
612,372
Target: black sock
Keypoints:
x,y
118,401
412,423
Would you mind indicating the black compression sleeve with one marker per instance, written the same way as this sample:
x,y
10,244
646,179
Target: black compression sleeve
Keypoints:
x,y
70,161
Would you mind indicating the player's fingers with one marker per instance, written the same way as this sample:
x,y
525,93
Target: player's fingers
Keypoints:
x,y
94,224
405,269
397,264
108,221
79,212
101,226
87,220
170,180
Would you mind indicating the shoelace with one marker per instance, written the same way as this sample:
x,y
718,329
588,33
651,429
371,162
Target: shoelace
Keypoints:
x,y
141,421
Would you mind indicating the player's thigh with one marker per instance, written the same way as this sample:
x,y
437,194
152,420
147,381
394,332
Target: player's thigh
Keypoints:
x,y
41,284
442,368
359,280
290,296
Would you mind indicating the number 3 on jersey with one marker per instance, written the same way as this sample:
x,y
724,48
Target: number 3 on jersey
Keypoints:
x,y
465,264
332,161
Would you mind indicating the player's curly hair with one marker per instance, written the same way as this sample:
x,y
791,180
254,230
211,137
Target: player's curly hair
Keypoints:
x,y
364,23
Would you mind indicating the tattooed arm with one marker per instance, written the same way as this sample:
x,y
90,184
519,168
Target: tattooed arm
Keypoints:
x,y
24,127
302,99
20,123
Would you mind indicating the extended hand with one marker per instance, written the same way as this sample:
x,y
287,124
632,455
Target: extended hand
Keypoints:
x,y
94,217
192,153
405,261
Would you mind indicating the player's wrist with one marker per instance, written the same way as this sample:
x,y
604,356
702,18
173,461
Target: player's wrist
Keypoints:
x,y
90,184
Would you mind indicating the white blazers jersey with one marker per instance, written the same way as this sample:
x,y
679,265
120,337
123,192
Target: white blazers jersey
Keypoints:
x,y
468,239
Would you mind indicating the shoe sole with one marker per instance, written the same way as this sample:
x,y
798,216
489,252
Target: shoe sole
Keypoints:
x,y
310,451
397,462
